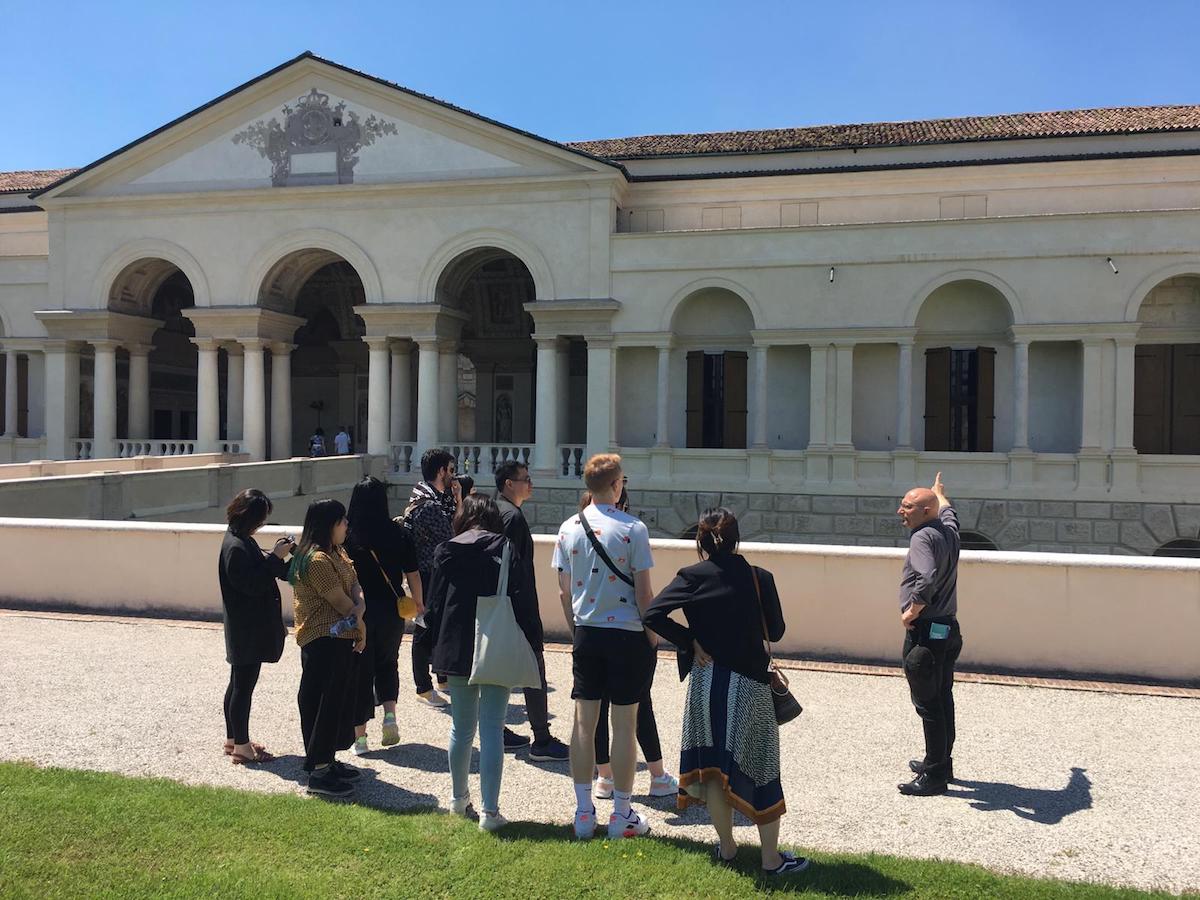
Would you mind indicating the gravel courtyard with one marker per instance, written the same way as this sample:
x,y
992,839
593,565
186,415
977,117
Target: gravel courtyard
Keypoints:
x,y
1066,784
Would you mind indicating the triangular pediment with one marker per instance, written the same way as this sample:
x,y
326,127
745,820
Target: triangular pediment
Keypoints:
x,y
312,122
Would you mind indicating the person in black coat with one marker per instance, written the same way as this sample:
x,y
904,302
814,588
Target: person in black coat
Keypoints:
x,y
254,629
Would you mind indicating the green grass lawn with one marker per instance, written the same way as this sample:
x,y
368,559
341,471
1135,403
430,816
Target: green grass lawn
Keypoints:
x,y
68,833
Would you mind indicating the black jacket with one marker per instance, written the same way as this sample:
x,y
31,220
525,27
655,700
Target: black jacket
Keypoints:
x,y
254,630
717,598
397,556
466,568
516,529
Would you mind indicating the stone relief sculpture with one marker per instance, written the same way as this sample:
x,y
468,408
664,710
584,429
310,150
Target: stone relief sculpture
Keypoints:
x,y
313,127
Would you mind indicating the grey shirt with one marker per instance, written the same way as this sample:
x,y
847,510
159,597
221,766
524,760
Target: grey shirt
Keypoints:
x,y
930,573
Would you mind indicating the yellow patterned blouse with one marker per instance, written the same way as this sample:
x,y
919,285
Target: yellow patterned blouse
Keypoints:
x,y
314,615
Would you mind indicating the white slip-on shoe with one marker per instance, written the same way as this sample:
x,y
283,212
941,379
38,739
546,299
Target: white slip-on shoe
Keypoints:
x,y
603,788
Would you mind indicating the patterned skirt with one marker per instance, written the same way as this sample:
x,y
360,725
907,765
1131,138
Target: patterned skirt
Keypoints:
x,y
731,741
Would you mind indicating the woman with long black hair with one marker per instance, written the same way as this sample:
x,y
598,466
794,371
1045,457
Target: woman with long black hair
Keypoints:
x,y
326,592
254,630
383,556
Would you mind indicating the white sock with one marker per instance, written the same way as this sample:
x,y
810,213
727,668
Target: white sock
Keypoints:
x,y
583,798
621,803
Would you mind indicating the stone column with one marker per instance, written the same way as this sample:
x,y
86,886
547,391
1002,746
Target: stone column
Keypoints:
x,y
104,400
10,394
208,410
448,391
664,397
281,400
843,435
599,395
139,391
904,388
818,385
427,394
1123,411
62,398
254,401
235,390
1093,394
1021,395
545,451
760,397
401,414
379,404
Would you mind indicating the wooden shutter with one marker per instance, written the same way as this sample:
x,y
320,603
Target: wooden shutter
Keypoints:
x,y
23,396
735,400
937,399
985,400
1151,398
695,398
1185,399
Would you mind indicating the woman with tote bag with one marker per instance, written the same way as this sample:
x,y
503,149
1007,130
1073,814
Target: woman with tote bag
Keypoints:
x,y
481,623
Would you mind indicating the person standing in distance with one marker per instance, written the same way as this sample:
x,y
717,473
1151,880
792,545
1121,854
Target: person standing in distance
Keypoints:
x,y
933,640
341,441
513,488
603,560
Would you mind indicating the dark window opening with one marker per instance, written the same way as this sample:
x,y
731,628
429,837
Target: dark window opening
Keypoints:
x,y
1166,404
960,387
973,540
1184,547
716,400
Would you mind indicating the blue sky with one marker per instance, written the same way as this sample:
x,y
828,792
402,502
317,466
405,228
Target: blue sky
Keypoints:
x,y
81,79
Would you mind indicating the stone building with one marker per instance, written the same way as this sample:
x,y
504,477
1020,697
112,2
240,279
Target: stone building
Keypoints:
x,y
800,323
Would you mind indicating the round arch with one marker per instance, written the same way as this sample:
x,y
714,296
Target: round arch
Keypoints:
x,y
702,284
1014,304
129,254
1190,266
448,253
311,239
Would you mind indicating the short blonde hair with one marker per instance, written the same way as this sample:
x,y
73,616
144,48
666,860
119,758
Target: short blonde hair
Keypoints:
x,y
601,471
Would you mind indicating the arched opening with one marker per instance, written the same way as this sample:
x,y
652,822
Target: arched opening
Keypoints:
x,y
493,394
329,363
974,540
963,356
1184,548
1166,407
159,290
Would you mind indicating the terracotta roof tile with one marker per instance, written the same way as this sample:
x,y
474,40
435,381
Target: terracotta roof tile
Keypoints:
x,y
1067,123
14,182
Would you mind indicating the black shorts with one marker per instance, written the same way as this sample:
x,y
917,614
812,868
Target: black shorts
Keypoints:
x,y
612,663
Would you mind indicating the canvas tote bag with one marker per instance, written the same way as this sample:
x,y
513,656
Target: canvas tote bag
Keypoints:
x,y
502,652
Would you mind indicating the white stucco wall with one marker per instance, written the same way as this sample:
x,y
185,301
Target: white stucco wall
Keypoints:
x,y
1055,385
637,396
788,397
874,408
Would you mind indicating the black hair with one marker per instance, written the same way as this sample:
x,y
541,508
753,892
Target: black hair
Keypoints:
x,y
509,470
717,533
433,461
467,483
247,511
320,520
368,513
478,511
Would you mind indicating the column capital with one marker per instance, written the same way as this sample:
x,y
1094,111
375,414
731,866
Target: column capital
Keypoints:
x,y
281,348
105,345
139,349
599,341
252,345
207,344
400,346
59,345
547,341
232,348
375,344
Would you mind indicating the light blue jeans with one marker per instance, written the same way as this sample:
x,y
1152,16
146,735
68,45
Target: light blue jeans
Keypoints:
x,y
483,706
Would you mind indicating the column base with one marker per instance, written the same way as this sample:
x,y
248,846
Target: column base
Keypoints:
x,y
1093,468
661,459
842,460
1126,470
904,466
759,465
818,466
1020,466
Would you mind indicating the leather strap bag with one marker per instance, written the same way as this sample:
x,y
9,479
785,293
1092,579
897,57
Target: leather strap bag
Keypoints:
x,y
787,707
503,655
406,606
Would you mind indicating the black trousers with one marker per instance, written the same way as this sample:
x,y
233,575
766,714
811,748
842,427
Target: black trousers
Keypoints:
x,y
421,661
378,678
537,703
328,666
238,696
929,669
647,726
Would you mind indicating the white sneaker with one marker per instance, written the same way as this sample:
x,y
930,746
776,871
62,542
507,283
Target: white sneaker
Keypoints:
x,y
492,821
603,788
433,698
634,825
585,825
360,747
461,806
665,785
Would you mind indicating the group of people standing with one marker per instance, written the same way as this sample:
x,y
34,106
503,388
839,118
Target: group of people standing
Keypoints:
x,y
355,572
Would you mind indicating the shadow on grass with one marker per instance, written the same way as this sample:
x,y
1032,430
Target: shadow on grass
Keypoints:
x,y
1046,807
835,877
369,790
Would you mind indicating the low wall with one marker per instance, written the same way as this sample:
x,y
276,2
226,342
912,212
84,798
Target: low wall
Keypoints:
x,y
1115,616
44,468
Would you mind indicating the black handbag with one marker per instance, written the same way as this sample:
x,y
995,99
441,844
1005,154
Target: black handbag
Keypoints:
x,y
787,707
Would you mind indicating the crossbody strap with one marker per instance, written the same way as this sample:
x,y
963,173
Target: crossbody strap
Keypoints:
x,y
600,551
772,667
383,572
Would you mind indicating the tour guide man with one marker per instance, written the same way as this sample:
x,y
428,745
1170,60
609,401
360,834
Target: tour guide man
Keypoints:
x,y
928,608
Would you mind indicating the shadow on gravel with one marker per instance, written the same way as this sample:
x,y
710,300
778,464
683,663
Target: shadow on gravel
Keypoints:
x,y
1046,807
835,878
424,757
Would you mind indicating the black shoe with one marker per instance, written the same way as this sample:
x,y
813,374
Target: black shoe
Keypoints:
x,y
917,767
923,785
513,741
551,751
345,772
327,784
791,865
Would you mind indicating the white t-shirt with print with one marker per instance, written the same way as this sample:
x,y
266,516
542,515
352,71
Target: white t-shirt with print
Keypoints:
x,y
598,597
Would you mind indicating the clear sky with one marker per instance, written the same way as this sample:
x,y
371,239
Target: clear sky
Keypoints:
x,y
83,78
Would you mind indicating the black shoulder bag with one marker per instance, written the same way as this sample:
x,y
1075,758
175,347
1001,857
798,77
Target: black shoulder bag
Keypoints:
x,y
787,707
601,552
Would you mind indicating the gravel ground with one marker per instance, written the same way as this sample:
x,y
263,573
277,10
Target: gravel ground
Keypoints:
x,y
1081,786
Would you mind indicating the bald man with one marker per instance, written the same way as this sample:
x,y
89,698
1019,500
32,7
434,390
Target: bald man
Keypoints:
x,y
932,641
